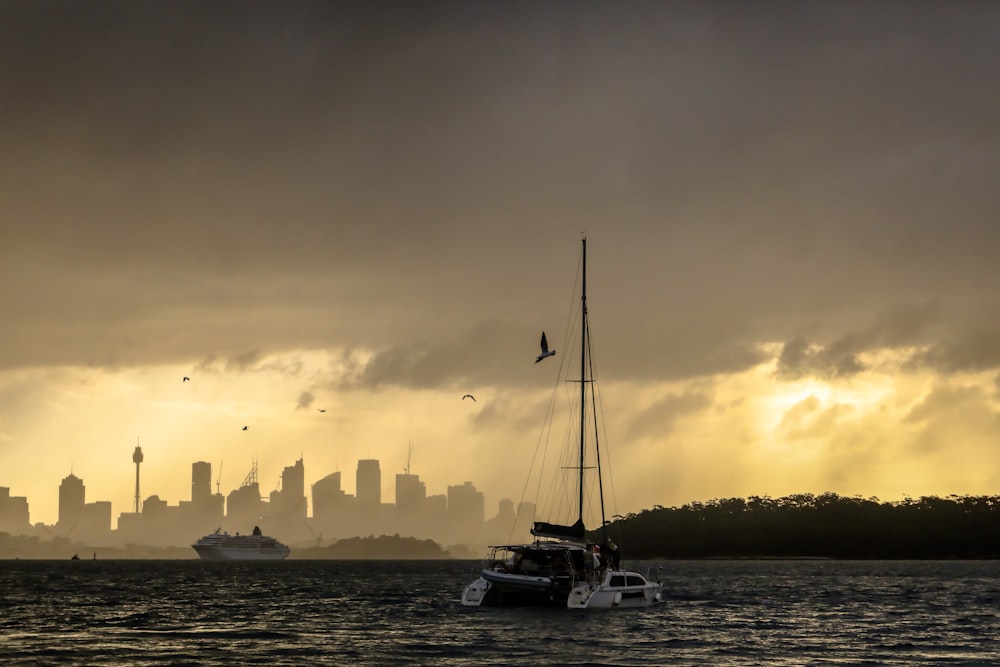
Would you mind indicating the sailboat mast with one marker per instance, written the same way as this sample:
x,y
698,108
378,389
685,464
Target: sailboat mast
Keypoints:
x,y
583,373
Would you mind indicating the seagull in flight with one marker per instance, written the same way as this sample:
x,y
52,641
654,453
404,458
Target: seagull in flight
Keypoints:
x,y
469,396
546,352
186,379
245,427
321,409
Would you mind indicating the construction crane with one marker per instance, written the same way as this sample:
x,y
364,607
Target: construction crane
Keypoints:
x,y
319,538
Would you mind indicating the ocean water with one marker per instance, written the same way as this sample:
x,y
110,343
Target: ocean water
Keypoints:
x,y
301,612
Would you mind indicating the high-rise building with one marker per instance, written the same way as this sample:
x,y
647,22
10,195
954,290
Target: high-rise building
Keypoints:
x,y
437,505
291,499
95,520
369,483
293,479
72,497
243,505
466,505
201,482
205,510
328,497
411,494
13,513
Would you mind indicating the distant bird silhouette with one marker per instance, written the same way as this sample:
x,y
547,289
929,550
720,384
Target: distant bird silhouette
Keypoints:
x,y
546,352
186,379
469,396
245,427
321,409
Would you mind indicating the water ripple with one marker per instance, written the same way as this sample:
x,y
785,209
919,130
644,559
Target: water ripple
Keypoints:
x,y
728,613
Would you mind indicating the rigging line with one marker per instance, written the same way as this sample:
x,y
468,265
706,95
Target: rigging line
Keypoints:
x,y
572,318
583,377
603,422
597,445
607,453
555,502
574,314
580,319
541,445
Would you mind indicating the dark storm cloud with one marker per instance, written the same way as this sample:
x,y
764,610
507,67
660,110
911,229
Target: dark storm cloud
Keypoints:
x,y
658,419
798,358
653,351
906,324
183,177
490,353
305,400
974,351
925,325
243,361
251,361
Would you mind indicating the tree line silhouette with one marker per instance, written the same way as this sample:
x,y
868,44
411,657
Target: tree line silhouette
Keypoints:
x,y
805,525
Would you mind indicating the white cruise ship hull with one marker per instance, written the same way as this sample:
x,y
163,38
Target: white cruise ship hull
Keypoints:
x,y
223,546
222,553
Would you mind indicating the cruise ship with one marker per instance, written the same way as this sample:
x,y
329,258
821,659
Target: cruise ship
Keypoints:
x,y
223,546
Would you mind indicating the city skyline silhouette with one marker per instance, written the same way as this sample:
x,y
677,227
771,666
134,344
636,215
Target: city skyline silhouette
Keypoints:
x,y
297,516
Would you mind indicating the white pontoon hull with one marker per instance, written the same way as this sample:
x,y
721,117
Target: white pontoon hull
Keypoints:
x,y
604,596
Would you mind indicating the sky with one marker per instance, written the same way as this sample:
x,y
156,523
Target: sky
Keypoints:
x,y
374,208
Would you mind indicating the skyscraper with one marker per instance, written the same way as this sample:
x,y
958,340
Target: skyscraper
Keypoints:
x,y
410,494
466,505
201,482
291,499
328,497
72,497
13,513
243,505
369,483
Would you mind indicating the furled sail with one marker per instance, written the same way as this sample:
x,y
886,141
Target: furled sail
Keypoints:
x,y
574,532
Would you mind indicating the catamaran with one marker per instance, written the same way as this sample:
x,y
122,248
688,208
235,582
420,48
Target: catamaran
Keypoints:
x,y
563,566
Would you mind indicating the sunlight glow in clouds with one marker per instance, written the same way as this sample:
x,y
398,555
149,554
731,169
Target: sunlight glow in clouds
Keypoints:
x,y
750,434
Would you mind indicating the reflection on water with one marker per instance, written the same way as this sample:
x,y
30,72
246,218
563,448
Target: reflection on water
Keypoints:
x,y
368,613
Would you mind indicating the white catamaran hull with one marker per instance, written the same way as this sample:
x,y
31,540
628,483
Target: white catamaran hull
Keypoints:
x,y
489,590
612,594
526,575
475,593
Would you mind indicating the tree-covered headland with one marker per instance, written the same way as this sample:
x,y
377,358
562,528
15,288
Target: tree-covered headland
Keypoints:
x,y
805,525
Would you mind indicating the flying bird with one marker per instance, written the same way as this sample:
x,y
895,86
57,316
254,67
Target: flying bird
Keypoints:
x,y
546,352
321,409
186,379
469,396
245,427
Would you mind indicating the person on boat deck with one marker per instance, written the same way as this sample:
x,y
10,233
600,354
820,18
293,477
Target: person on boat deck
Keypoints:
x,y
592,559
615,554
256,531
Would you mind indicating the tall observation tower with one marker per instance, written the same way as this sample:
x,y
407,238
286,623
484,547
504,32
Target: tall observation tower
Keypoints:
x,y
137,459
